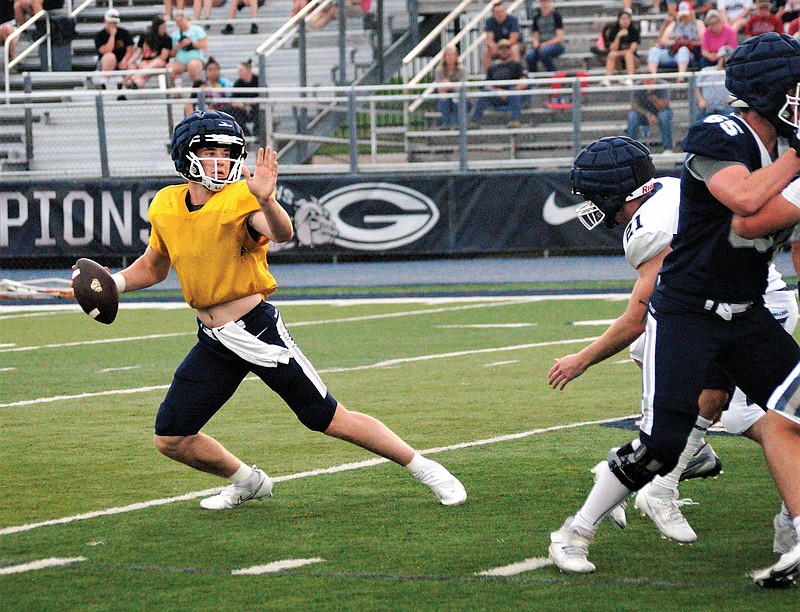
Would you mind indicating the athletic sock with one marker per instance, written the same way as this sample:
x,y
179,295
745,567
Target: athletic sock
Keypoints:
x,y
416,464
666,487
243,473
796,523
606,493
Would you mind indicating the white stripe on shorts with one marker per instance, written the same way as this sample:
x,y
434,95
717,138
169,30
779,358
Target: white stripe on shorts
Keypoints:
x,y
648,374
298,356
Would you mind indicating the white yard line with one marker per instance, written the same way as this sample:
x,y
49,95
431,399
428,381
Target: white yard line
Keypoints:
x,y
500,363
120,369
275,566
40,564
372,366
517,568
331,470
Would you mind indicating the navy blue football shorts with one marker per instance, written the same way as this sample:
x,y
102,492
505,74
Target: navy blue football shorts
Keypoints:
x,y
211,373
686,345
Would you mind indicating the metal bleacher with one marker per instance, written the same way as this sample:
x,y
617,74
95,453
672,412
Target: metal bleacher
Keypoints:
x,y
61,120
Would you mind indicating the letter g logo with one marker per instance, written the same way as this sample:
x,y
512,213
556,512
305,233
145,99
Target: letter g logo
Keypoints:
x,y
378,216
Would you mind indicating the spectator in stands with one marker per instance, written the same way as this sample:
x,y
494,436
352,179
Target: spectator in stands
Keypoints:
x,y
234,9
710,94
547,38
152,52
188,43
716,35
501,26
448,75
735,12
211,84
504,69
244,112
763,20
623,42
679,45
114,45
650,106
7,26
202,7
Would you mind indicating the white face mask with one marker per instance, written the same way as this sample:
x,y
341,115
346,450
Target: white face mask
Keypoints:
x,y
790,112
213,183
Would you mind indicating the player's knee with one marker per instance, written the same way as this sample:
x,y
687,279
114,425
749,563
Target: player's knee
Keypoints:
x,y
170,446
635,464
712,402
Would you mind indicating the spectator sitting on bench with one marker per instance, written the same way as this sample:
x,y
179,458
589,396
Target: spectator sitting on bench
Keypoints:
x,y
763,20
547,39
650,106
679,45
505,69
188,43
623,42
448,74
717,35
500,26
244,112
114,45
151,53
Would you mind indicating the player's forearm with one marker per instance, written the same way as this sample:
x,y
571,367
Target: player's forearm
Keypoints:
x,y
148,270
278,220
617,337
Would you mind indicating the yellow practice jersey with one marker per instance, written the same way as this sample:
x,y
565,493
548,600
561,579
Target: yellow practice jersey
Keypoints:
x,y
211,249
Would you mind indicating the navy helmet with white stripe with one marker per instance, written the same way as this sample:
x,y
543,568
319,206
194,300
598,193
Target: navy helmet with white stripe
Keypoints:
x,y
608,173
207,128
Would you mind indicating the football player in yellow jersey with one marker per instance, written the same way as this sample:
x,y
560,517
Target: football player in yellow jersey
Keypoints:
x,y
214,231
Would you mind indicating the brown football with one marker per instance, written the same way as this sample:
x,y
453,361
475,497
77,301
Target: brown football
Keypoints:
x,y
95,290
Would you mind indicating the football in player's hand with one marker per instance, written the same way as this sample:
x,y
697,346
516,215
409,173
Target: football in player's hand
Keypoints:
x,y
95,290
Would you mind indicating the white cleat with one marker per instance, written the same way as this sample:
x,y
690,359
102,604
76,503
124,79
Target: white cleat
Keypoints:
x,y
781,575
617,514
666,514
236,494
785,535
446,487
569,550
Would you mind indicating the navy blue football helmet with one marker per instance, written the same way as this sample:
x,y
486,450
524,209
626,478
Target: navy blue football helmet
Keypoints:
x,y
207,128
761,71
608,173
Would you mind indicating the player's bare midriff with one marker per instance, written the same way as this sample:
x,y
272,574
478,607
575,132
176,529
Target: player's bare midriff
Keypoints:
x,y
220,314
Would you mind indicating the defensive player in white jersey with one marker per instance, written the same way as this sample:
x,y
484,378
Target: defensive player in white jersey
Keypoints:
x,y
616,175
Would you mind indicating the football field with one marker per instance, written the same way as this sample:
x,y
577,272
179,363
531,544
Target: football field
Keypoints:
x,y
93,517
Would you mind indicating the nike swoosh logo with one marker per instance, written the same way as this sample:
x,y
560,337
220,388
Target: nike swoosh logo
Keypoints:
x,y
555,214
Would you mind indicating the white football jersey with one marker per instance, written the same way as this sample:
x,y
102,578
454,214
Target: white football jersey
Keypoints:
x,y
651,229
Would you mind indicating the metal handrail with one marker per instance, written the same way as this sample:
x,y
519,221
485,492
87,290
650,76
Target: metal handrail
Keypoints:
x,y
74,12
283,33
9,64
452,16
427,68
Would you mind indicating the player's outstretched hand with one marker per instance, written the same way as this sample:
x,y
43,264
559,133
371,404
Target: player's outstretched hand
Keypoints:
x,y
564,370
265,174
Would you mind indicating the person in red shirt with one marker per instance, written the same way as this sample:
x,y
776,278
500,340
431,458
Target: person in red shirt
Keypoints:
x,y
763,20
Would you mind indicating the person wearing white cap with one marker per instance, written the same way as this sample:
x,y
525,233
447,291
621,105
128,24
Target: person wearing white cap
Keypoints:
x,y
679,45
735,12
114,46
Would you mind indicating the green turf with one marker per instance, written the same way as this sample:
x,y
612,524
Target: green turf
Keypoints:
x,y
386,543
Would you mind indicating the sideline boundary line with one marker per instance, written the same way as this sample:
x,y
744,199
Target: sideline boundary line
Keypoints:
x,y
330,470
